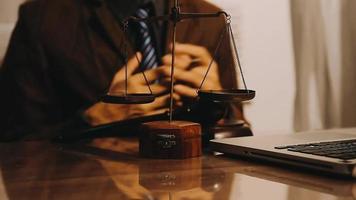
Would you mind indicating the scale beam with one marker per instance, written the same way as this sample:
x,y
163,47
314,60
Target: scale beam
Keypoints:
x,y
177,16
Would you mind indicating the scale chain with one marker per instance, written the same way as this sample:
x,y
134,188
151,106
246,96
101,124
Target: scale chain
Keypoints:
x,y
237,56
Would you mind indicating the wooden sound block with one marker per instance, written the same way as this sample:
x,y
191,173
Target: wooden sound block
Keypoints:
x,y
170,140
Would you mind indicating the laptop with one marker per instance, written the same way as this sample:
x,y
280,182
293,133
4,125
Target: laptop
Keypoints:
x,y
332,151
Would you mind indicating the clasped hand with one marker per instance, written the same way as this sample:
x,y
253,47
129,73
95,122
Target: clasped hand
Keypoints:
x,y
191,64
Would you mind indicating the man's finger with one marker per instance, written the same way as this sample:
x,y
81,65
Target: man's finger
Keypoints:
x,y
186,91
159,89
152,75
194,51
190,77
201,70
181,60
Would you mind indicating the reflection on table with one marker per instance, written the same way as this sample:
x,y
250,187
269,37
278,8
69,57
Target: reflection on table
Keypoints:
x,y
112,169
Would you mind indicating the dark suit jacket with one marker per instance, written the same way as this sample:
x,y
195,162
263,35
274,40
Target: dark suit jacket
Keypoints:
x,y
63,55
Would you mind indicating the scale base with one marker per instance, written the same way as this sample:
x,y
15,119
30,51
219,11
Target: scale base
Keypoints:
x,y
170,140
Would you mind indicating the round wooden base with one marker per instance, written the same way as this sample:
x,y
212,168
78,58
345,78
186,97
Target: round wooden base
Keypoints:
x,y
170,140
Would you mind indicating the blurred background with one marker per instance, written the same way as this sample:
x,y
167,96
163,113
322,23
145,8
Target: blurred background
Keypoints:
x,y
298,55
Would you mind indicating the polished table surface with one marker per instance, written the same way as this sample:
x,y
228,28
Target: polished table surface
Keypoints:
x,y
111,169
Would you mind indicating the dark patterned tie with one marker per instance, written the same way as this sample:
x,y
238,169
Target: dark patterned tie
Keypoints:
x,y
149,56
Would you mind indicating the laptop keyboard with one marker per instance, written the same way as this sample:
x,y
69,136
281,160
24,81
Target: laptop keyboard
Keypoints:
x,y
345,150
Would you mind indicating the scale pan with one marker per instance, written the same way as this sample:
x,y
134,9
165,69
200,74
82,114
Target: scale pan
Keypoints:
x,y
121,98
233,95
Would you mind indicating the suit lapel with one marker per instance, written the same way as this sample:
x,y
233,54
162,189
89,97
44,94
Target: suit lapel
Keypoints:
x,y
112,29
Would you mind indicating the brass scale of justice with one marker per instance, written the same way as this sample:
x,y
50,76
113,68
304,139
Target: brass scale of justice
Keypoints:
x,y
170,138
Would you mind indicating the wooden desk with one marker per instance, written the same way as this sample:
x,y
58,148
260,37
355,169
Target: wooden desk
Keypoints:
x,y
111,169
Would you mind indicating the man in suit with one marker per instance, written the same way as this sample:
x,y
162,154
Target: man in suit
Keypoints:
x,y
64,55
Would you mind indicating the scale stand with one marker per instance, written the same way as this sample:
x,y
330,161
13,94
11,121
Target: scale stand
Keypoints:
x,y
171,139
